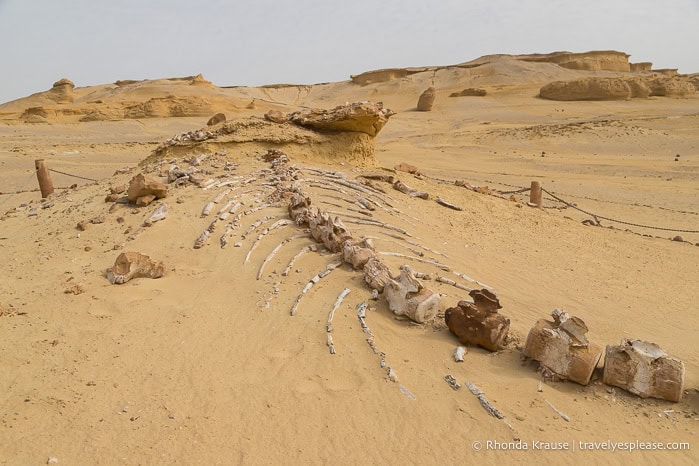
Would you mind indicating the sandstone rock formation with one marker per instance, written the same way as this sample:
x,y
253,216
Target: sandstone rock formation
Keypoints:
x,y
62,91
199,80
479,323
619,88
471,91
407,296
587,89
380,76
37,115
644,369
216,119
641,67
142,186
426,100
362,117
597,60
170,106
562,347
130,265
670,87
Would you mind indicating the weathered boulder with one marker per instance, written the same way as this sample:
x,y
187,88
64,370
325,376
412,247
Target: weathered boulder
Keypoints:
x,y
479,323
406,167
275,116
587,89
62,91
141,185
644,369
426,100
130,265
562,347
407,296
362,117
216,119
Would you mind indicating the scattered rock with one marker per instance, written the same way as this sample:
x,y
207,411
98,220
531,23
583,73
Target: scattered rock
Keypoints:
x,y
644,369
143,201
118,189
406,167
275,116
216,119
479,323
141,185
678,238
130,265
426,100
75,289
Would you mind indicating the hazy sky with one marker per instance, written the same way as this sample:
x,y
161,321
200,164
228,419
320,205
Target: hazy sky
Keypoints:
x,y
253,42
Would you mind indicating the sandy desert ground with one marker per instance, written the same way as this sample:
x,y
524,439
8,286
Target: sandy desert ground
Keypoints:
x,y
196,368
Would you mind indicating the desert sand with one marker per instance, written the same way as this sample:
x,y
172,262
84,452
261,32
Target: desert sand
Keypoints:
x,y
206,366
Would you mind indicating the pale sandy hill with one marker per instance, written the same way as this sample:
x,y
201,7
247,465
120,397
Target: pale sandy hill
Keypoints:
x,y
197,368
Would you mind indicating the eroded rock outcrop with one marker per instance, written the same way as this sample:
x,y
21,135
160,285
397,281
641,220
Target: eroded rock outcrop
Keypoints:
x,y
587,89
470,92
426,100
362,117
62,91
670,87
344,134
596,60
171,106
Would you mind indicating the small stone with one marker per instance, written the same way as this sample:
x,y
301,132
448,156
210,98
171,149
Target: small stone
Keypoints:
x,y
678,238
52,460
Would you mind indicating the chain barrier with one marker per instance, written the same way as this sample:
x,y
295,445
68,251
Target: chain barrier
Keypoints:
x,y
74,176
596,217
600,217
